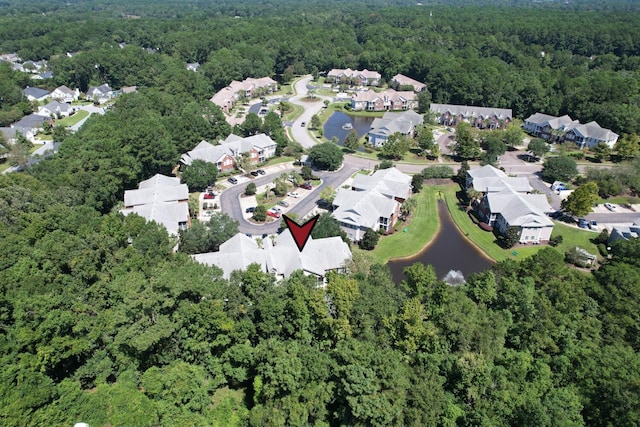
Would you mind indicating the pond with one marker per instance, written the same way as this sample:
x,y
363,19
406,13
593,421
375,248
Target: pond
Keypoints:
x,y
451,254
333,126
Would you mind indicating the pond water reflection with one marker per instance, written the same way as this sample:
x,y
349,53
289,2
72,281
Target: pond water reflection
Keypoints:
x,y
333,126
450,251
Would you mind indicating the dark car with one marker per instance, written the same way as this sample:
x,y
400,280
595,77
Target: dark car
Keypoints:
x,y
306,186
254,173
209,196
303,124
556,214
582,223
250,209
233,180
261,171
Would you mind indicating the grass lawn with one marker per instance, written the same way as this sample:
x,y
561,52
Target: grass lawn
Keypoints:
x,y
423,226
621,200
278,160
72,120
4,165
484,240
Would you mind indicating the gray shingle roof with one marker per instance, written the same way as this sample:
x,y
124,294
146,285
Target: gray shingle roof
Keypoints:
x,y
35,92
392,122
472,111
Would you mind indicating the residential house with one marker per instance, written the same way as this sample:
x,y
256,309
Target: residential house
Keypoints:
x,y
56,109
624,232
354,77
373,202
64,94
507,202
403,123
564,128
281,256
388,100
43,76
10,58
129,89
479,117
30,125
193,66
33,67
258,147
161,199
100,94
399,81
248,88
36,94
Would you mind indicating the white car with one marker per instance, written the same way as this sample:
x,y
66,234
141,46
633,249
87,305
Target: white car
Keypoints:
x,y
294,194
611,207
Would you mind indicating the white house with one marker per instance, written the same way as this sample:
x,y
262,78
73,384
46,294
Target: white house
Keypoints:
x,y
280,257
560,129
161,199
100,94
373,202
398,81
480,117
64,94
354,77
248,88
403,123
507,202
36,94
55,109
30,125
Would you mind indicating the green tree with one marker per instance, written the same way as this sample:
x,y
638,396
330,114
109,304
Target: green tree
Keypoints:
x,y
384,164
328,194
580,202
396,146
561,168
207,237
538,147
251,125
307,173
260,213
351,141
327,226
326,155
369,239
416,183
199,175
424,101
250,190
315,121
408,207
513,134
466,147
628,146
493,148
426,141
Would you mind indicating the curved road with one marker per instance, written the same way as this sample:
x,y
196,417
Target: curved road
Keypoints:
x,y
230,203
299,133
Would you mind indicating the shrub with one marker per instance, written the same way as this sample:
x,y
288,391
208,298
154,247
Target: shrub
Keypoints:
x,y
369,240
437,172
260,213
602,248
556,240
251,189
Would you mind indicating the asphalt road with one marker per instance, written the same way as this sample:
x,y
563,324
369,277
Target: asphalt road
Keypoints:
x,y
230,203
299,133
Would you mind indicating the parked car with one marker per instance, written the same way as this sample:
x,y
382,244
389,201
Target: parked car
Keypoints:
x,y
261,171
254,173
306,186
593,224
250,209
611,207
582,223
274,213
233,180
209,196
303,124
556,214
283,203
294,194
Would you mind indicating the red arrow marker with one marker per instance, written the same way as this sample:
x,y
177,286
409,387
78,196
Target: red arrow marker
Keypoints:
x,y
302,232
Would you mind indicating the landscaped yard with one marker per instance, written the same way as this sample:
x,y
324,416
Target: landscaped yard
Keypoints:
x,y
72,120
423,226
486,241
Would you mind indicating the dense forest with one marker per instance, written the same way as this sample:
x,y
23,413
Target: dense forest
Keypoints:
x,y
101,322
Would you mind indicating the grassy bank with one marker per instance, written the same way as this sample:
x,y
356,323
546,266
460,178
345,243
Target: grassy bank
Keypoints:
x,y
422,228
486,241
72,120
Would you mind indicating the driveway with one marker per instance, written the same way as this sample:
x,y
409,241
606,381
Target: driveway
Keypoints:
x,y
311,108
230,201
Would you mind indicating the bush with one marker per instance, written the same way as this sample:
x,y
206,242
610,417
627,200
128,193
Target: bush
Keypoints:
x,y
556,240
369,240
602,248
602,238
307,173
416,183
260,213
251,189
437,172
